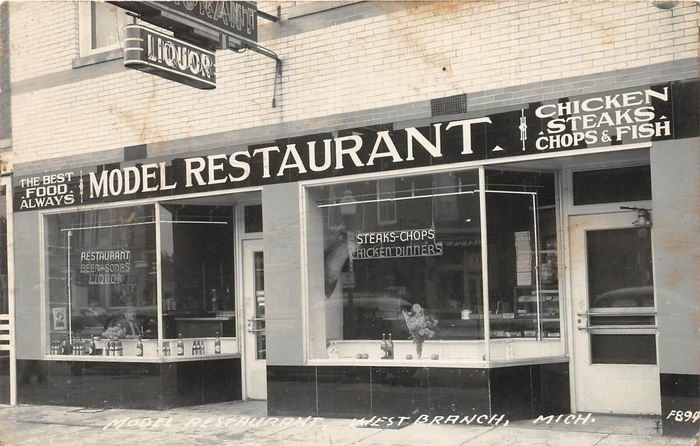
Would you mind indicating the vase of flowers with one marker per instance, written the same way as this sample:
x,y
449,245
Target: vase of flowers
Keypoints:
x,y
420,326
114,332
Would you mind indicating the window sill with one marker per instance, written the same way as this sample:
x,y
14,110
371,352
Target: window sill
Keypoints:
x,y
5,143
144,359
96,58
446,363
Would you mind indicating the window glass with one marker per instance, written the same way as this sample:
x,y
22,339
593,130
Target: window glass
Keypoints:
x,y
385,246
252,218
107,25
612,185
197,271
101,281
520,209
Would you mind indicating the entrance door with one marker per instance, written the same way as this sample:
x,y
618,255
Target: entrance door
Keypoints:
x,y
254,309
614,329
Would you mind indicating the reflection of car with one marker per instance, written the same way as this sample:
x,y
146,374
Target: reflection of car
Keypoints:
x,y
641,296
94,321
377,305
382,306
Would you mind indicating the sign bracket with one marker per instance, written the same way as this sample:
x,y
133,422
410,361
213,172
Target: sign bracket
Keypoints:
x,y
270,17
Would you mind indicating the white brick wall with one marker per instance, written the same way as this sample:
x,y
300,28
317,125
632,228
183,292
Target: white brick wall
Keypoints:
x,y
43,37
430,50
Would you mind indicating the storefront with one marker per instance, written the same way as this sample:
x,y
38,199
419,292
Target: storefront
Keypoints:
x,y
499,263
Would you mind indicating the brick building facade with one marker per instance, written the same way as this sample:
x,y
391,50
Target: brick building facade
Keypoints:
x,y
368,67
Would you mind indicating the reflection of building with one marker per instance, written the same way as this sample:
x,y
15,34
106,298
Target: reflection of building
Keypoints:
x,y
516,141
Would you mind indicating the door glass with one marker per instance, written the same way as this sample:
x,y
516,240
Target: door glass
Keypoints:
x,y
623,349
4,298
619,268
258,262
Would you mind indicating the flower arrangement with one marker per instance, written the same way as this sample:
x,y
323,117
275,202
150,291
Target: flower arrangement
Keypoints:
x,y
114,332
420,325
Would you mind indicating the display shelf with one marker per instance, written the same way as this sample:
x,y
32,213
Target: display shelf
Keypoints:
x,y
142,359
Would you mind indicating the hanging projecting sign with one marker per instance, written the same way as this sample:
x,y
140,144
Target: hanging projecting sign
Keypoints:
x,y
628,118
228,17
152,52
200,20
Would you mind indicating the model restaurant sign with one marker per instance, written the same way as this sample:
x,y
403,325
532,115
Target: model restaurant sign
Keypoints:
x,y
177,58
619,118
168,57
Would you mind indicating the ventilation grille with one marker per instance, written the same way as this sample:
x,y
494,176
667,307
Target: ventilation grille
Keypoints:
x,y
132,153
449,105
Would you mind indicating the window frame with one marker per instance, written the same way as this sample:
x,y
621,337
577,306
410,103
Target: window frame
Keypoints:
x,y
85,33
549,349
231,342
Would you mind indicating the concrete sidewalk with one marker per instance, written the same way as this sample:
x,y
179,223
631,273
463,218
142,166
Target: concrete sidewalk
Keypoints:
x,y
245,423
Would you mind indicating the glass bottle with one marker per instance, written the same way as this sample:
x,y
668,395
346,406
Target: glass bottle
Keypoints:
x,y
509,349
139,347
91,346
180,345
217,344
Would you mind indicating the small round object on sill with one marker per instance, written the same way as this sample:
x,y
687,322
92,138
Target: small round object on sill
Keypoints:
x,y
434,356
358,356
409,356
365,356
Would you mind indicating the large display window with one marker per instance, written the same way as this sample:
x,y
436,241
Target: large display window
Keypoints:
x,y
453,266
197,271
140,281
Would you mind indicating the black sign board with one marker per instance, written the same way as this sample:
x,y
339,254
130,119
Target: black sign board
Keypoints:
x,y
200,22
228,17
156,53
630,118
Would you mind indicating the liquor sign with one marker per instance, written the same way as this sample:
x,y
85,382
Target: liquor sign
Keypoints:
x,y
170,58
396,244
617,120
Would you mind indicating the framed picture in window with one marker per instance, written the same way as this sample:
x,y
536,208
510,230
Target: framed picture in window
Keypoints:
x,y
59,318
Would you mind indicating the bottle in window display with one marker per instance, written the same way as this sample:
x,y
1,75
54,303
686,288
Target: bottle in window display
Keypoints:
x,y
91,346
217,344
139,347
65,349
180,345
